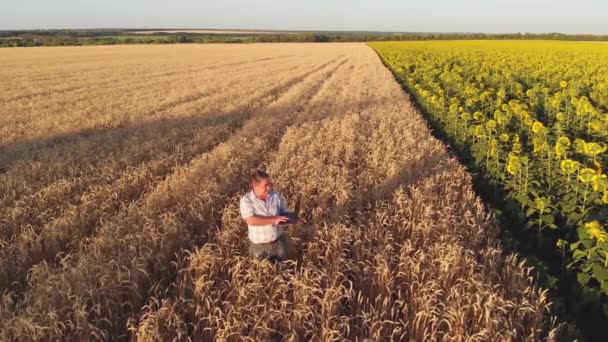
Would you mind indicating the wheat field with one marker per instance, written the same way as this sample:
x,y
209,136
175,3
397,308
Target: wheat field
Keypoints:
x,y
121,169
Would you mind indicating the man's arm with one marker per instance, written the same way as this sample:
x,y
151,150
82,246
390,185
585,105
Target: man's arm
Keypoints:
x,y
256,220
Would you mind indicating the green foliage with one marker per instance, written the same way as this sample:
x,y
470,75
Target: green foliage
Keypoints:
x,y
532,118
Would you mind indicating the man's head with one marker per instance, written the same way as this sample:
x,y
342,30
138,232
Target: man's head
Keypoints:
x,y
260,183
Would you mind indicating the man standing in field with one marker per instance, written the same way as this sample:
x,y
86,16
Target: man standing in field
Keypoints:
x,y
265,213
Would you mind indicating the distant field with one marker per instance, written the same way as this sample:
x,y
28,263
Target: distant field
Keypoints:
x,y
136,37
121,169
211,32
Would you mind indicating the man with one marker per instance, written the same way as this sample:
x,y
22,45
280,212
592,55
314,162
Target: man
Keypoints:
x,y
264,211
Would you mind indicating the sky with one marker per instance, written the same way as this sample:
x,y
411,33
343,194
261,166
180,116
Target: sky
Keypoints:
x,y
489,16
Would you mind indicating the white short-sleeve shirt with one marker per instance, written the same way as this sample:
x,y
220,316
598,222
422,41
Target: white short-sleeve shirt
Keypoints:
x,y
273,205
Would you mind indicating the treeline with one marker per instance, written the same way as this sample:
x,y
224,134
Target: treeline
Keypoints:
x,y
35,40
112,37
367,37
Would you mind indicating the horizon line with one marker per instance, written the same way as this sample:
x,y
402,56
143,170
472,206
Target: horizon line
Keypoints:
x,y
302,31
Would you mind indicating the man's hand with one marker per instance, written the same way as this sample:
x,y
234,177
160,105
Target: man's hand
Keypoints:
x,y
280,219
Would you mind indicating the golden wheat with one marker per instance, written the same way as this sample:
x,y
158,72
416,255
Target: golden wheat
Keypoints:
x,y
121,173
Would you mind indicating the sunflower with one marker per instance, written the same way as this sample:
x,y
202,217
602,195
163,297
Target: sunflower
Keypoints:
x,y
586,174
500,117
494,148
561,147
594,228
479,131
541,203
491,125
538,127
568,166
563,84
600,182
539,145
513,164
592,149
579,145
516,144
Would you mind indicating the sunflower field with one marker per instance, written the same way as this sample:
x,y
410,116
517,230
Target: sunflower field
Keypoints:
x,y
531,117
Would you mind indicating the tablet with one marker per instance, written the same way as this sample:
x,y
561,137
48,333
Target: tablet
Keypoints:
x,y
293,218
293,215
